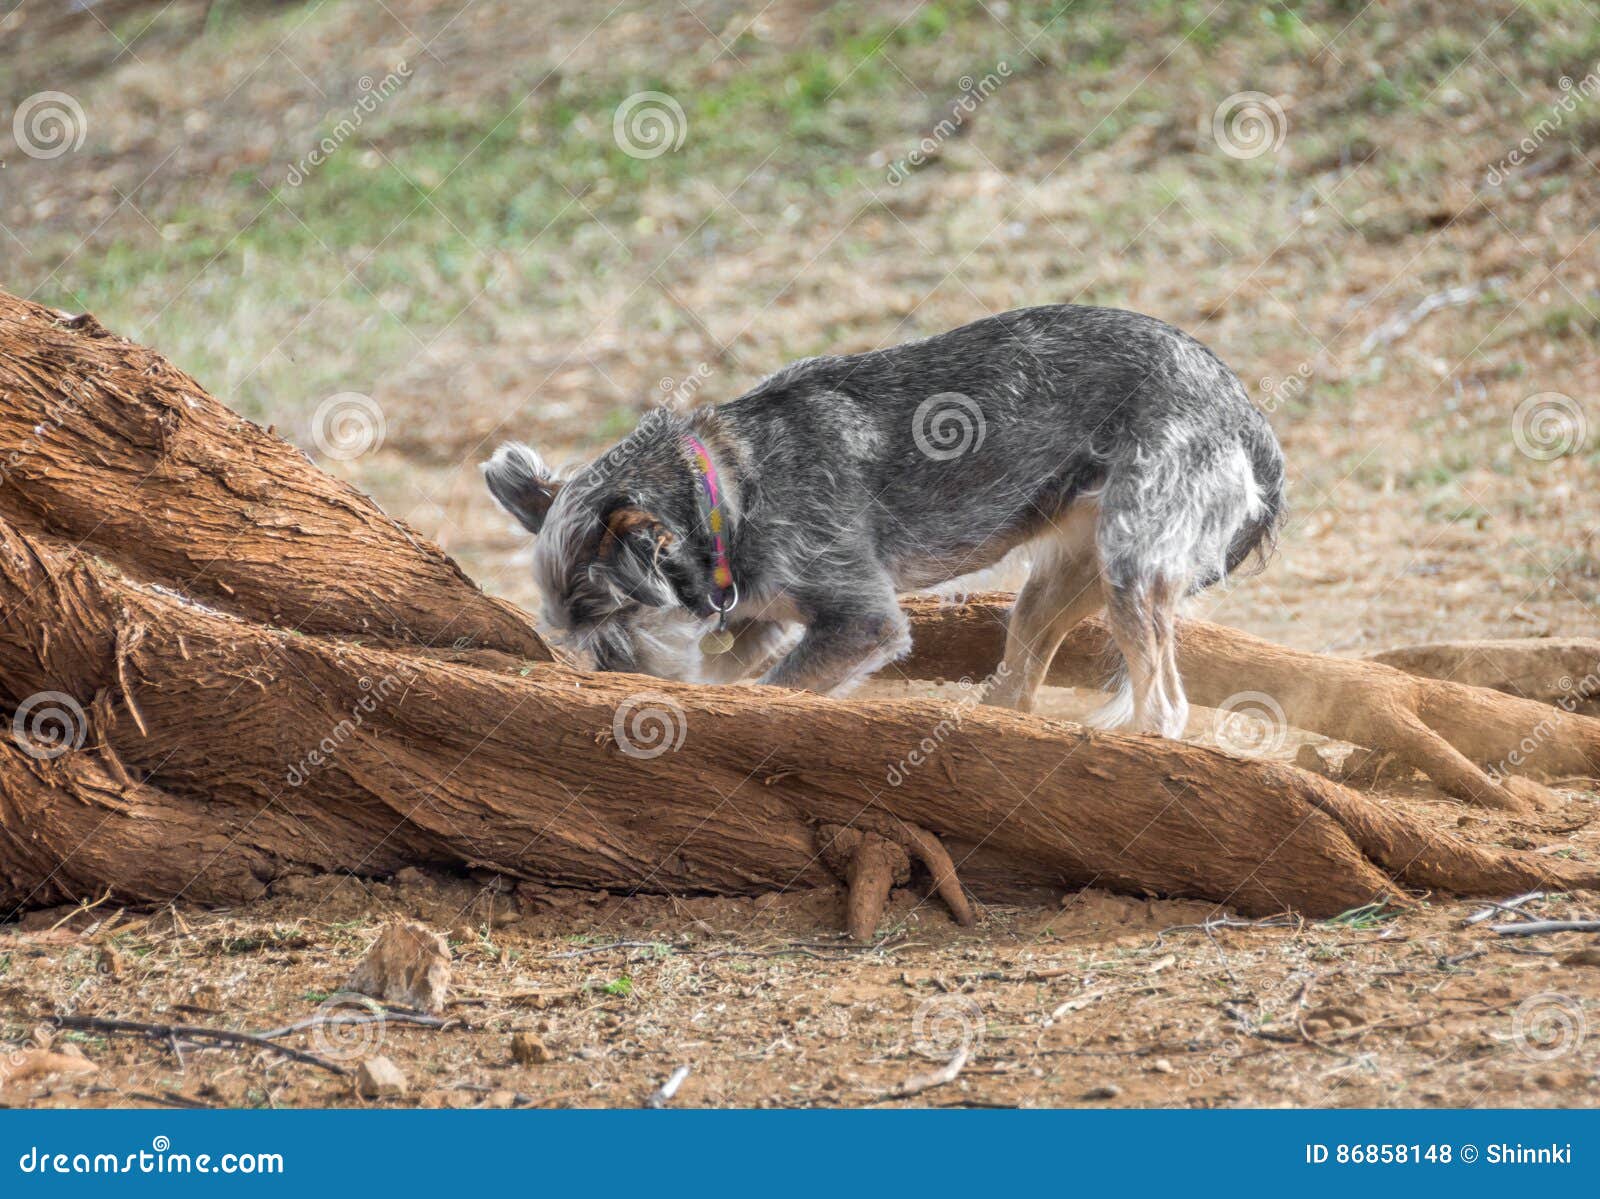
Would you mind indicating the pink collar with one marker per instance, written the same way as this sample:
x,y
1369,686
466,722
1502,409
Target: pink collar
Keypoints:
x,y
724,593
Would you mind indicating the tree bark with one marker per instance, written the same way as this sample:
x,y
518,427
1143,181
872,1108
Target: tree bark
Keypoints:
x,y
300,752
1444,729
106,444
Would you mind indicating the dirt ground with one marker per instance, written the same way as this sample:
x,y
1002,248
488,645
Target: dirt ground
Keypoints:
x,y
479,261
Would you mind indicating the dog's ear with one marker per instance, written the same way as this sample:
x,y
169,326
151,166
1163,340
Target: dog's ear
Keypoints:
x,y
521,483
634,547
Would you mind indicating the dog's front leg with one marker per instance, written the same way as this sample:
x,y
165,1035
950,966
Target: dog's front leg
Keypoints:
x,y
840,648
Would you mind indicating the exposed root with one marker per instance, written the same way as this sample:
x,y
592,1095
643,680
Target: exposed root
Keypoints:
x,y
1473,742
931,853
1551,670
872,867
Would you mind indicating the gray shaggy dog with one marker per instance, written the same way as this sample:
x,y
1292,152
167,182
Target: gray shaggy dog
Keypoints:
x,y
1120,451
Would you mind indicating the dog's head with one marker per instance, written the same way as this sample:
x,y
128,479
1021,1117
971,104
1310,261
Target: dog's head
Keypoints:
x,y
609,556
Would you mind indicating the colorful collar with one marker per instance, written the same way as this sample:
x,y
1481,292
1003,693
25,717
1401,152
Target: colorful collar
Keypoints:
x,y
724,593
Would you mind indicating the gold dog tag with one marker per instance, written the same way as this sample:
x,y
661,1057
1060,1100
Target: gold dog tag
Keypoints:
x,y
717,641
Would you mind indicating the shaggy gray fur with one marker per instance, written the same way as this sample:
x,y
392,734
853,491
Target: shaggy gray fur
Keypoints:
x,y
1121,447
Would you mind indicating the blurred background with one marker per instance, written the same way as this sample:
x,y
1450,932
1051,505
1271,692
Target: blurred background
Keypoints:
x,y
402,230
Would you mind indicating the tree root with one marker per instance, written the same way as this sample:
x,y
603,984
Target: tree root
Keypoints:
x,y
1476,744
1551,670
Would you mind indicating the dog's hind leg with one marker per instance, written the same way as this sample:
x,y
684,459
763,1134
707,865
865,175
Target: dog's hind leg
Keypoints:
x,y
1063,588
1143,620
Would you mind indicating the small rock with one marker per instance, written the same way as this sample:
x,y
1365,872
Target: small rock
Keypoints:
x,y
379,1078
1106,1090
408,964
409,876
528,1050
464,934
1161,1066
501,1099
589,1053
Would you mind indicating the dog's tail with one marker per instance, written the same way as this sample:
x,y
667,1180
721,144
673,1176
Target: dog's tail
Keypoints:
x,y
1259,535
521,483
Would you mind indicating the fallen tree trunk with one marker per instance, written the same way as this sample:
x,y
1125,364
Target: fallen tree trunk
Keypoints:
x,y
108,445
171,739
311,753
1442,728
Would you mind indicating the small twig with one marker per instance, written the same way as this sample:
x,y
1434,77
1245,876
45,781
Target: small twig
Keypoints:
x,y
1399,325
668,1089
1510,905
588,949
918,1083
1534,928
164,1032
80,910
